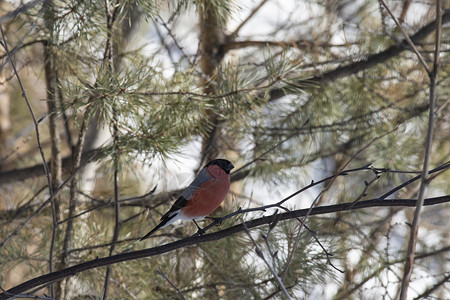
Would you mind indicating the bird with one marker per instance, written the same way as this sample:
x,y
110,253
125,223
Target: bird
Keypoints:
x,y
201,197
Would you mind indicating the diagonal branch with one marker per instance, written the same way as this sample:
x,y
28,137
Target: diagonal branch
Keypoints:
x,y
407,38
248,18
24,95
369,62
21,9
260,253
163,275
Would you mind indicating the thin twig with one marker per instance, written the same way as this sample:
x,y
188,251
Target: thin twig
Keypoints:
x,y
108,58
160,272
367,184
46,202
164,43
47,171
261,254
24,95
253,12
409,264
407,38
175,41
442,167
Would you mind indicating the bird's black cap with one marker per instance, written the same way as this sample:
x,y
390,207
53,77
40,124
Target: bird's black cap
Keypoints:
x,y
224,164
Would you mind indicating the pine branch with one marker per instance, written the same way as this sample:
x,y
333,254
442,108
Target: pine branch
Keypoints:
x,y
371,61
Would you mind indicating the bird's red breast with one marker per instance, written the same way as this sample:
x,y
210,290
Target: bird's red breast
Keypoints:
x,y
209,195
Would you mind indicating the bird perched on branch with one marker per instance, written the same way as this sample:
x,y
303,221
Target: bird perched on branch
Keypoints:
x,y
201,197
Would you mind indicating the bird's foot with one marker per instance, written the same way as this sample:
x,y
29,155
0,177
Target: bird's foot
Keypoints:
x,y
215,220
201,231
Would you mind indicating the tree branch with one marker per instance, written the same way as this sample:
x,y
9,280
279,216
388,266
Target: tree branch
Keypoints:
x,y
409,264
235,32
45,203
122,257
23,8
38,170
24,95
407,39
370,61
260,253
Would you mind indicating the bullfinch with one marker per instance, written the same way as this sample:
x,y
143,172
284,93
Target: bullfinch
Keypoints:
x,y
201,197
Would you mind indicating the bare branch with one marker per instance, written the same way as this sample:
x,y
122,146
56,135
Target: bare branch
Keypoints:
x,y
160,272
24,95
195,240
23,8
271,268
253,12
44,204
409,264
407,38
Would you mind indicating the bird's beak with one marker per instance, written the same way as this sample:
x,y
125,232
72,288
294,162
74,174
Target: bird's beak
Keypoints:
x,y
230,167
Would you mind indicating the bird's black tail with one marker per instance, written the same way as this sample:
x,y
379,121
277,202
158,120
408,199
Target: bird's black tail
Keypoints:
x,y
164,221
